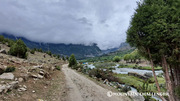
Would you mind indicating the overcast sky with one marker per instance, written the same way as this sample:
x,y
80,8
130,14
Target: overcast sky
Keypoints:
x,y
68,21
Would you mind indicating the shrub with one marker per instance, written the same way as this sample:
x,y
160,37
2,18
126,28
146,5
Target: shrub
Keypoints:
x,y
58,68
96,73
72,61
32,51
63,58
177,91
99,73
10,69
126,88
49,53
77,66
40,50
10,43
116,59
1,38
18,49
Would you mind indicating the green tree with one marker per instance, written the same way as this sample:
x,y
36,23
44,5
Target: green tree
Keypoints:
x,y
154,30
116,59
18,49
63,58
67,58
72,61
1,38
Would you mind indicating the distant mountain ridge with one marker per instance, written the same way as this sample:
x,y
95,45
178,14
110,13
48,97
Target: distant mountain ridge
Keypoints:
x,y
80,51
123,46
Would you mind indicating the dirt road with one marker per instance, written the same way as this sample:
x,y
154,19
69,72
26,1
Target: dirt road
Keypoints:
x,y
80,88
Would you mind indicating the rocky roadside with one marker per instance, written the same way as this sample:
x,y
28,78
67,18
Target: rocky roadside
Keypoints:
x,y
32,78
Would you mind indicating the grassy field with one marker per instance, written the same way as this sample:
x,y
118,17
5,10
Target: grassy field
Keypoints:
x,y
137,82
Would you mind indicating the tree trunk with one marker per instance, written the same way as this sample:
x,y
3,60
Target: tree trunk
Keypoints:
x,y
154,74
168,80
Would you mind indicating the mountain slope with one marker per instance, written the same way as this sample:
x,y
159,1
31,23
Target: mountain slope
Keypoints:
x,y
80,51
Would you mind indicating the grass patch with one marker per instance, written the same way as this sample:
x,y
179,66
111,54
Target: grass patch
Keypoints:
x,y
137,82
10,69
104,65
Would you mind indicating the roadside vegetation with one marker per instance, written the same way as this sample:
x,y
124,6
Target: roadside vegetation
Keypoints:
x,y
138,67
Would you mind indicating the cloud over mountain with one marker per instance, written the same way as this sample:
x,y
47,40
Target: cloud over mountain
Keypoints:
x,y
68,21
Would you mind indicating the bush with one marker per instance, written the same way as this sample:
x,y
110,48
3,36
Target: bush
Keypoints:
x,y
49,53
95,72
1,38
58,68
99,73
32,51
77,67
126,88
18,49
40,50
177,91
10,69
116,59
72,61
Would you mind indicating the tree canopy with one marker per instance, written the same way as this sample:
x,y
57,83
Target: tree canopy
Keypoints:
x,y
155,31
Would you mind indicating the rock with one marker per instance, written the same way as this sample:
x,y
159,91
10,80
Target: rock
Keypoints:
x,y
24,86
3,51
24,76
79,70
106,80
135,96
148,74
8,76
2,82
20,79
40,76
14,84
7,87
1,71
53,68
2,88
33,91
33,75
22,89
41,72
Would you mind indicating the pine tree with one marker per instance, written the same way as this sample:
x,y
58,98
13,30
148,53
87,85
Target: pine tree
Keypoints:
x,y
18,49
72,61
154,30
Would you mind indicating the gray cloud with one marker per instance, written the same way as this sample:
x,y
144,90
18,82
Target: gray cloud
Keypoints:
x,y
68,21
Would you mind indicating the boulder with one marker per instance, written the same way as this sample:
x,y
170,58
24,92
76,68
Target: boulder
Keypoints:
x,y
7,76
20,79
3,51
40,76
135,96
148,74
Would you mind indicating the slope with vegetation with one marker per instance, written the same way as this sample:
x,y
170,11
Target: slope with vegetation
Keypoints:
x,y
37,76
79,50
